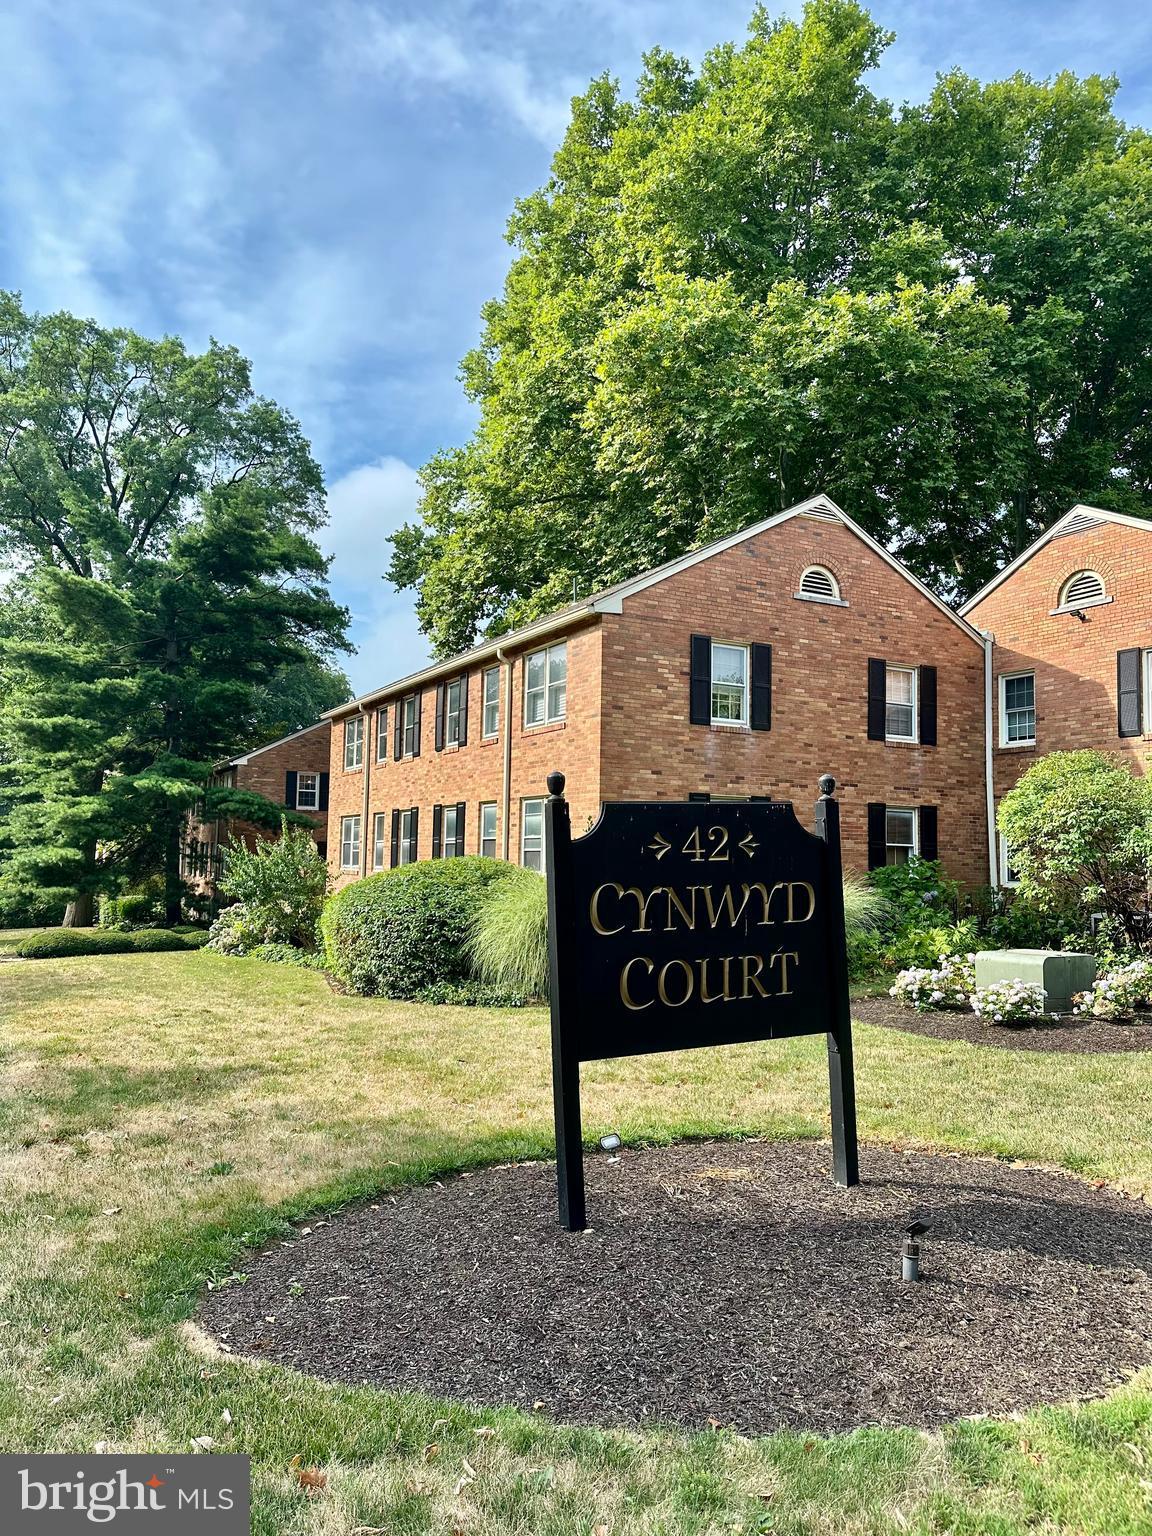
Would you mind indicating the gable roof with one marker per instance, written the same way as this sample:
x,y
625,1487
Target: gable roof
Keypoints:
x,y
242,757
611,599
1077,520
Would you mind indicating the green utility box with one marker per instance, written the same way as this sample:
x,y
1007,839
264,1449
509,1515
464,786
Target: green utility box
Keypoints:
x,y
1061,973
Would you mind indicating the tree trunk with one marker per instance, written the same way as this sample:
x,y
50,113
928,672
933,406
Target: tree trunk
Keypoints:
x,y
80,911
173,884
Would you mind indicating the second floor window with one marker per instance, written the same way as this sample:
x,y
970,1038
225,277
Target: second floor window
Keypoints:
x,y
729,684
546,685
491,726
453,713
900,709
307,791
410,726
354,742
1018,709
382,734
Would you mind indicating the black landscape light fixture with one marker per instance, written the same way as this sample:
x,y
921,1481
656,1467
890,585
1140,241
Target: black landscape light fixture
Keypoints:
x,y
910,1251
610,1143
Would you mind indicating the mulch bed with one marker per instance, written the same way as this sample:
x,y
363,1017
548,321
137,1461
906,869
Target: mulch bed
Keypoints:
x,y
1080,1035
721,1282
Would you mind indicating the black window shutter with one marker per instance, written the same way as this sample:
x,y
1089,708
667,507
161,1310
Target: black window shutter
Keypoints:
x,y
440,707
704,796
877,701
437,830
395,839
464,710
419,707
324,791
290,790
929,834
926,693
461,809
877,836
700,685
398,733
1128,710
761,716
414,840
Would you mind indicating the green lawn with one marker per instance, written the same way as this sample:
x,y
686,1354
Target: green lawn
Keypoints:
x,y
161,1112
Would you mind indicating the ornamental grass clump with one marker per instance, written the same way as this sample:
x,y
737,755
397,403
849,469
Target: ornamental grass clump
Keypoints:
x,y
1009,1002
1118,993
508,941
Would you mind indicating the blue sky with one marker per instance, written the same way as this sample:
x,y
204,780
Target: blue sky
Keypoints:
x,y
325,185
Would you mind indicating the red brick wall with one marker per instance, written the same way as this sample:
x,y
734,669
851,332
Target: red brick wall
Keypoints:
x,y
474,773
1074,663
819,690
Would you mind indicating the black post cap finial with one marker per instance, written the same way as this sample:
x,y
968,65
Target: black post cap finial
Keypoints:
x,y
556,785
827,785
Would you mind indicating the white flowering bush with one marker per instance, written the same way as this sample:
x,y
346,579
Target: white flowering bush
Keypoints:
x,y
1117,993
1009,1002
948,985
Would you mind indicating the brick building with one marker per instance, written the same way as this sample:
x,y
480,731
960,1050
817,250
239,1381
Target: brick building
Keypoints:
x,y
292,772
748,668
1071,627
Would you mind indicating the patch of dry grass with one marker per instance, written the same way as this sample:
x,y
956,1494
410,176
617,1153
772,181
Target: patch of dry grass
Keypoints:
x,y
162,1111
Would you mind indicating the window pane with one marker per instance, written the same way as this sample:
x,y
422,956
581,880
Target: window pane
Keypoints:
x,y
1020,692
535,672
534,707
899,689
900,827
558,664
899,720
557,700
728,662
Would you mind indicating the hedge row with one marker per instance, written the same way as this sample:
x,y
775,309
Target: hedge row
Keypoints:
x,y
59,942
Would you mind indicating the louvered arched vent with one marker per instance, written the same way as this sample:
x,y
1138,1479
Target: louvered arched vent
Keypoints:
x,y
819,583
1080,588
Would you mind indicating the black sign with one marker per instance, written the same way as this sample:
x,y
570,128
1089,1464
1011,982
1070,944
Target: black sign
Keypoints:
x,y
675,925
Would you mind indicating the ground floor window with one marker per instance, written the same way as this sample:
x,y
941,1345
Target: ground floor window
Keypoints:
x,y
1008,872
901,834
406,853
349,842
488,829
532,834
379,840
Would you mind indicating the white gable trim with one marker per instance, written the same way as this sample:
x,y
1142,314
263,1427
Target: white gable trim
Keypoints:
x,y
1073,515
822,507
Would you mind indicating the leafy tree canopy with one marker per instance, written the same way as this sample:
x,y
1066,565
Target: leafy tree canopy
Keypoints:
x,y
160,518
756,281
295,696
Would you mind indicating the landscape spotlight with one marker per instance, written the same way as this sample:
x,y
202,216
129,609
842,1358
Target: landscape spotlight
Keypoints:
x,y
910,1251
610,1143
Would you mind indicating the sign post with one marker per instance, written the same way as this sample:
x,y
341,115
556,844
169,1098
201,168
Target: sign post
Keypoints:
x,y
677,925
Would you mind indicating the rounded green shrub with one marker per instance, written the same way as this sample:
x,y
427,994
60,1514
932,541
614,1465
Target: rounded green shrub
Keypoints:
x,y
405,933
59,942
156,940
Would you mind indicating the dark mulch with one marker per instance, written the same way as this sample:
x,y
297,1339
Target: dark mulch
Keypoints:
x,y
725,1281
1083,1036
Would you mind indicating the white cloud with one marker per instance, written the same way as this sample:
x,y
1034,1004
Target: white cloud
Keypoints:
x,y
365,506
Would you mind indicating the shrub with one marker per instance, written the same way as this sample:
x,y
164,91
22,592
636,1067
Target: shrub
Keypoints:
x,y
279,885
407,930
474,994
1009,1002
508,935
918,894
1080,828
949,985
58,943
30,909
288,954
1117,993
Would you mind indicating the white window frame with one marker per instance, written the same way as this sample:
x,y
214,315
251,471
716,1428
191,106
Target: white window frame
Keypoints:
x,y
1006,875
834,599
349,842
913,673
490,715
723,721
354,743
380,840
452,810
408,726
486,837
550,716
524,848
406,838
308,784
1005,678
453,714
1146,675
914,846
382,734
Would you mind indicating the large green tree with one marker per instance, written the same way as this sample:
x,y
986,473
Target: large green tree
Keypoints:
x,y
756,281
161,516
